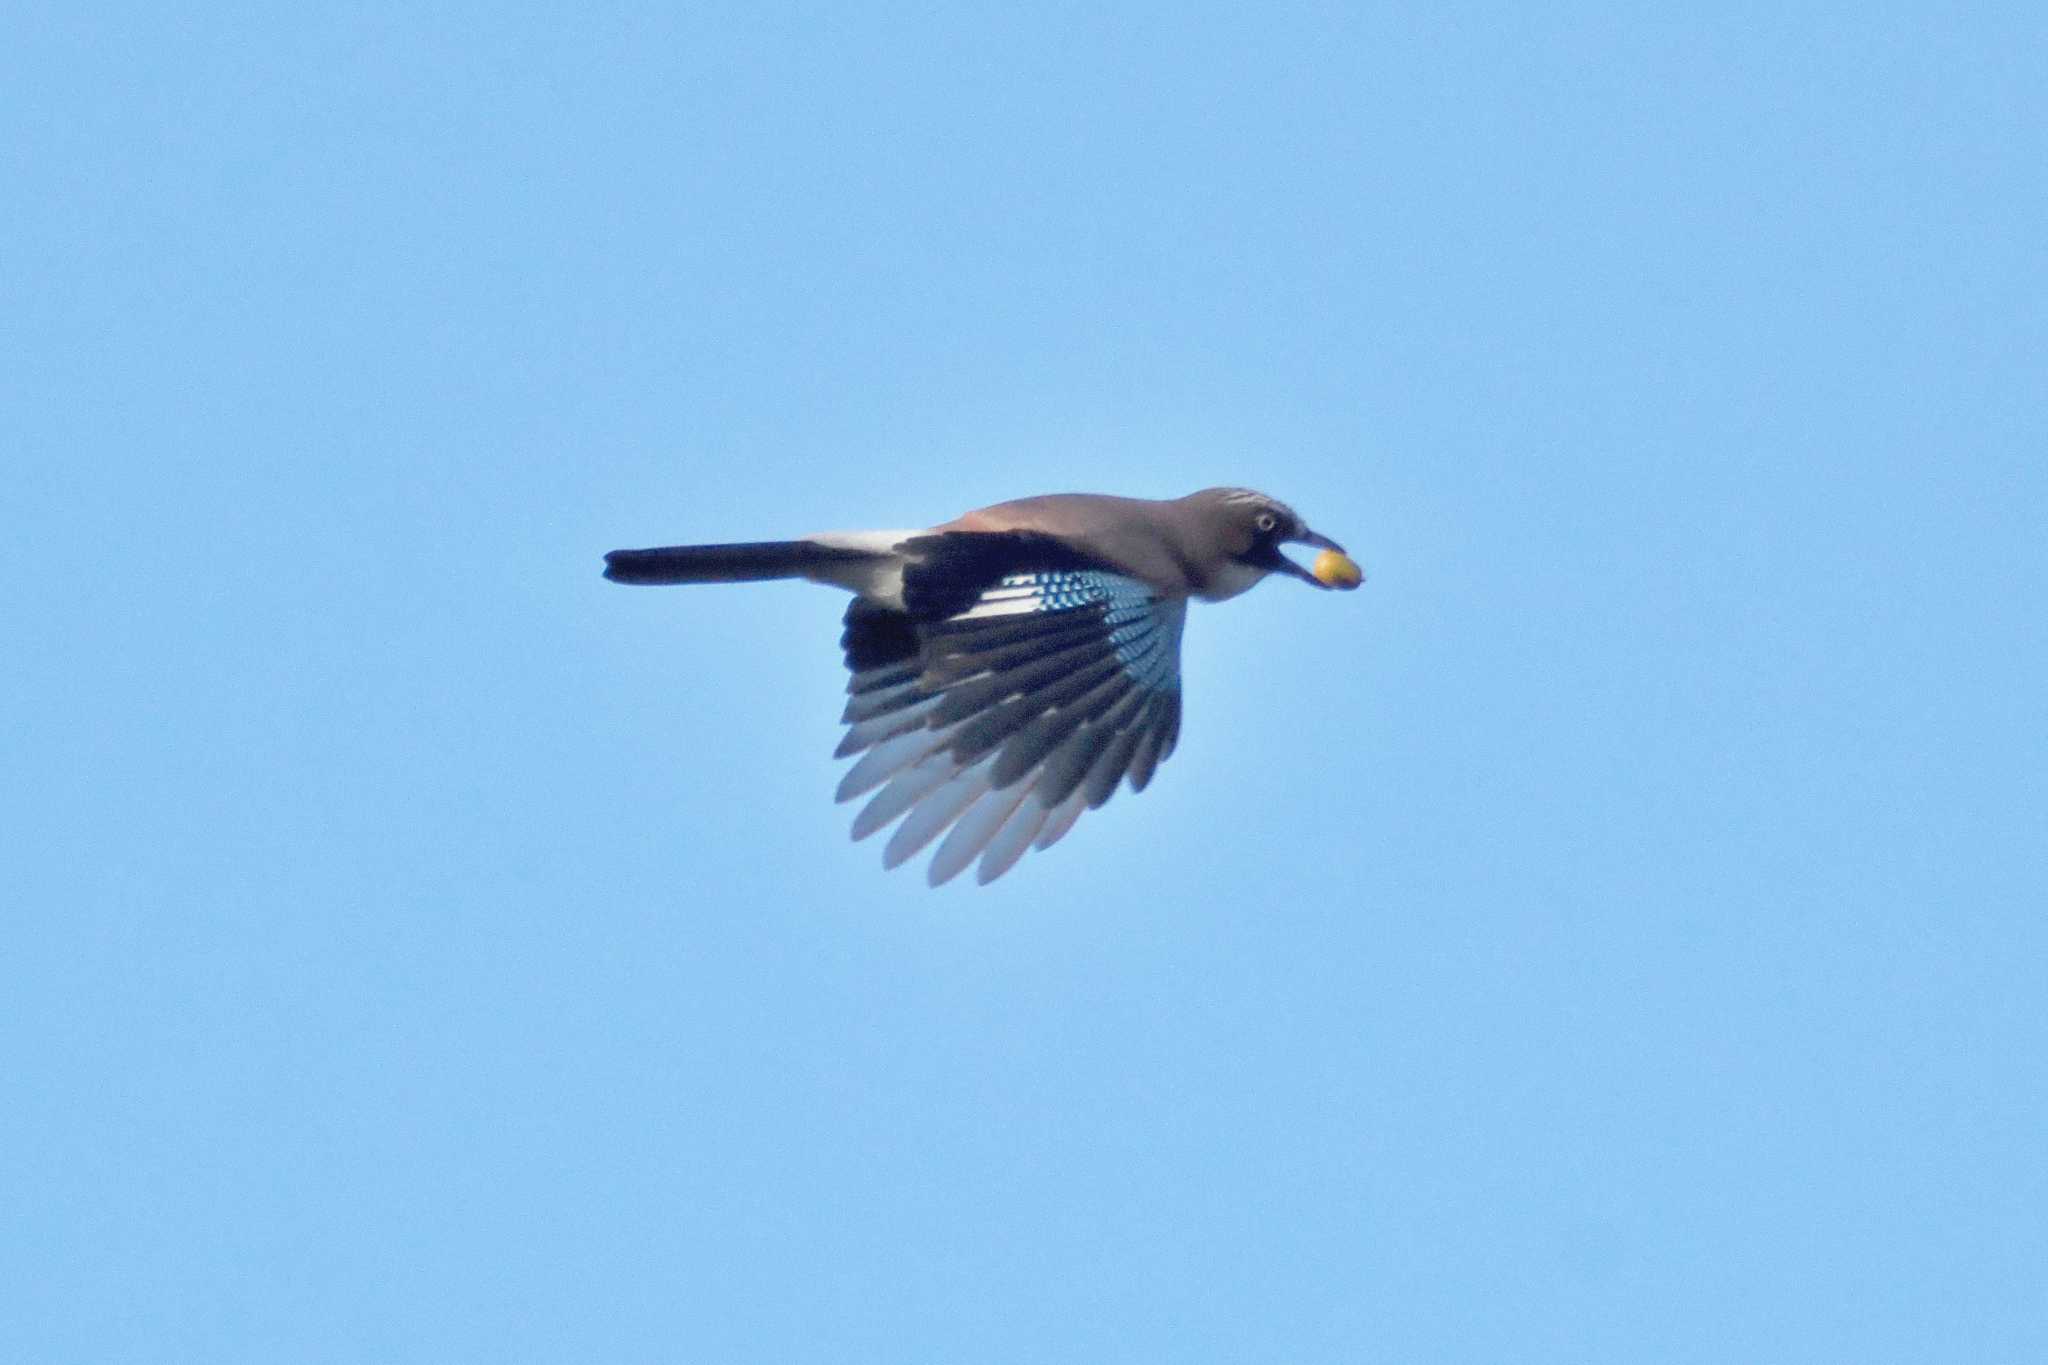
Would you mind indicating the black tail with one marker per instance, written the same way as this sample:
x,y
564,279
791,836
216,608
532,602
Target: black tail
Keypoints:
x,y
722,563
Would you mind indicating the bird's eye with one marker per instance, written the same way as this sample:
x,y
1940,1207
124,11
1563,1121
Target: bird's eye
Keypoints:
x,y
1265,521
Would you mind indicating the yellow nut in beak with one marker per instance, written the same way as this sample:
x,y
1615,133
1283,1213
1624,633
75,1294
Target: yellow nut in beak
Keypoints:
x,y
1335,569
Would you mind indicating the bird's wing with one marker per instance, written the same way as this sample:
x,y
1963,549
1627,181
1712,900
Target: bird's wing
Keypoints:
x,y
996,716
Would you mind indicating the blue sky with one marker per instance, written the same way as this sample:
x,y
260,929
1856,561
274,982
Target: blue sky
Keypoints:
x,y
1614,934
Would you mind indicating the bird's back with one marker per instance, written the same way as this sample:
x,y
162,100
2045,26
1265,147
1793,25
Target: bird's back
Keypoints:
x,y
1133,533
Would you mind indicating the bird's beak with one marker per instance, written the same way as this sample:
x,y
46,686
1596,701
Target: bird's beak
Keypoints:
x,y
1343,573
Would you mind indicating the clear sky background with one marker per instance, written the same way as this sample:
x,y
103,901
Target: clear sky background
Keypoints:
x,y
1615,934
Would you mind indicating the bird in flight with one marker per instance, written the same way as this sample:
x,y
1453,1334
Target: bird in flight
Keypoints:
x,y
1010,668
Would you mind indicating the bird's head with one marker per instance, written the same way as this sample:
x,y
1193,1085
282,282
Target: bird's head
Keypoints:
x,y
1250,528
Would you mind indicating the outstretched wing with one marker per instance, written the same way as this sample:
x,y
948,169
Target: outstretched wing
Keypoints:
x,y
996,715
